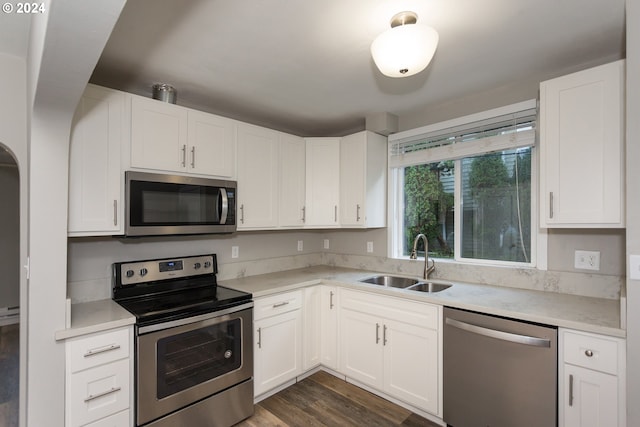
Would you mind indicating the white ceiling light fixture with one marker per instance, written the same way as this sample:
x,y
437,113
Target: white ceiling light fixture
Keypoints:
x,y
405,49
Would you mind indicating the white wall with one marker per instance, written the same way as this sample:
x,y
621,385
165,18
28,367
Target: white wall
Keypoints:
x,y
13,135
633,209
65,44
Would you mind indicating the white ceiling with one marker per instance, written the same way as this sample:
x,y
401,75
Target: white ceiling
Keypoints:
x,y
304,66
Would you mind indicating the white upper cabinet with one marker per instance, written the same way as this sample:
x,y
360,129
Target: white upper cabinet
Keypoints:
x,y
257,199
158,135
323,182
292,181
582,149
171,138
95,190
212,145
363,180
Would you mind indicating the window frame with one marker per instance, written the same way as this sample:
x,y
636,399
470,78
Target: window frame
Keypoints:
x,y
395,186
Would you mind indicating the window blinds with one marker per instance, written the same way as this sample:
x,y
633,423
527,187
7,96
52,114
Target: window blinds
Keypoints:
x,y
507,131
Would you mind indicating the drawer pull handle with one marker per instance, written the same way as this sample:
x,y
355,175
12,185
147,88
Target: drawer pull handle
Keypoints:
x,y
588,353
384,335
377,333
280,304
259,337
104,393
96,351
330,300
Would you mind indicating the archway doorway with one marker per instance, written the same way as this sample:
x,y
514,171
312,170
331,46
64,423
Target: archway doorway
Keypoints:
x,y
9,288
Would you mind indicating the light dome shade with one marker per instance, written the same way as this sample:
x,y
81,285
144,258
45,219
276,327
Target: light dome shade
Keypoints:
x,y
404,50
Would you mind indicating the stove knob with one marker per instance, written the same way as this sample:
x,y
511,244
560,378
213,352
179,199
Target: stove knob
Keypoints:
x,y
130,273
207,264
143,271
197,265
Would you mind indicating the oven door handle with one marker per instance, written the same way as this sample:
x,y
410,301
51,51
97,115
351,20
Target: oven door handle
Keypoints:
x,y
224,211
192,319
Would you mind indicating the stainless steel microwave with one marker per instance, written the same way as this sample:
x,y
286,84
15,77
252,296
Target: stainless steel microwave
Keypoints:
x,y
159,204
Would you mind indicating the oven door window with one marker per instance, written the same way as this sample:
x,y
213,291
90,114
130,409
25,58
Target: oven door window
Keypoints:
x,y
197,356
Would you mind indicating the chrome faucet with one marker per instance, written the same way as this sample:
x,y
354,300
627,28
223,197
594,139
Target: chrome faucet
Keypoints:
x,y
428,269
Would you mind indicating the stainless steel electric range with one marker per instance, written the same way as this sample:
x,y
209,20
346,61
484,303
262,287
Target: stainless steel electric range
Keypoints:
x,y
193,341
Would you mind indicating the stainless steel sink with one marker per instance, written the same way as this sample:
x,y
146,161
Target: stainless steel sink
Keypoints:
x,y
429,287
391,281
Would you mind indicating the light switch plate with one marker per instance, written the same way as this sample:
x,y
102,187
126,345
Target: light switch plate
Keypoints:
x,y
369,246
235,251
587,260
634,267
326,243
300,245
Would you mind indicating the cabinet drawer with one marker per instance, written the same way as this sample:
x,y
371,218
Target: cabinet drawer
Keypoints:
x,y
98,392
402,310
276,304
599,353
98,349
121,419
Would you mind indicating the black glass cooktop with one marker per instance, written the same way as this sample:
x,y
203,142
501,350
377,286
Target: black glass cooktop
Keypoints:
x,y
184,303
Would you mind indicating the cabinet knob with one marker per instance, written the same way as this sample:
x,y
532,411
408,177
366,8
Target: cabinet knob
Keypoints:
x,y
588,353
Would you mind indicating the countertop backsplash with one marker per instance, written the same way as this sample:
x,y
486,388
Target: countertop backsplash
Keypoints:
x,y
591,285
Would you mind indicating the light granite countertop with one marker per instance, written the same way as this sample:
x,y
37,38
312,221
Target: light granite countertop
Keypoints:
x,y
589,314
95,316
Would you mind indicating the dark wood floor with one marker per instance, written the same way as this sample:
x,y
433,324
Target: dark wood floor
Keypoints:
x,y
324,400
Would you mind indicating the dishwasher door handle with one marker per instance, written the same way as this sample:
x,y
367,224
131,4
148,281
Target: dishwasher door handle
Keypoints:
x,y
500,335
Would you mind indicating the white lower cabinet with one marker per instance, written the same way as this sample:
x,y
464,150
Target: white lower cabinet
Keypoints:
x,y
312,327
392,345
591,380
329,326
98,381
277,340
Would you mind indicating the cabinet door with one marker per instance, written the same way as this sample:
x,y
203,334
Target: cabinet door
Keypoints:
x,y
361,350
211,145
411,364
595,398
95,202
329,322
323,182
158,135
581,143
277,350
257,177
353,169
312,327
292,181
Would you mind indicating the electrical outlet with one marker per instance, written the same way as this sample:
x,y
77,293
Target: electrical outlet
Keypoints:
x,y
235,251
587,260
369,246
326,243
300,245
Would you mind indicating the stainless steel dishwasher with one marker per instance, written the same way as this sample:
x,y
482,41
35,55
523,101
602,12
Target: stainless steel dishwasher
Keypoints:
x,y
498,372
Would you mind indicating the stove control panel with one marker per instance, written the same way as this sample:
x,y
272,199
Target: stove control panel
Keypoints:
x,y
132,273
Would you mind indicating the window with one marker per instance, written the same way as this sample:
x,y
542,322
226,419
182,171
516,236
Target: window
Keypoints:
x,y
467,185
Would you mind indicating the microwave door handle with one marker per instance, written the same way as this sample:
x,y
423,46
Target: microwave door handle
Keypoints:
x,y
225,206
